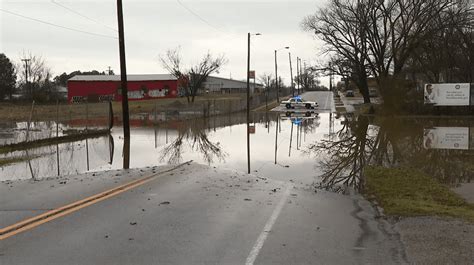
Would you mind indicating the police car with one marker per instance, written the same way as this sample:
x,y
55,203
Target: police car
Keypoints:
x,y
298,102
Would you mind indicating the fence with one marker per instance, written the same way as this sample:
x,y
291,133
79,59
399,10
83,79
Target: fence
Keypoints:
x,y
21,123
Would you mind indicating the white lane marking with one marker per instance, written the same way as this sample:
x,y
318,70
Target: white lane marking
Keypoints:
x,y
268,227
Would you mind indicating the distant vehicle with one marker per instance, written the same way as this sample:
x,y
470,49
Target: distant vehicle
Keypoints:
x,y
349,93
373,92
298,102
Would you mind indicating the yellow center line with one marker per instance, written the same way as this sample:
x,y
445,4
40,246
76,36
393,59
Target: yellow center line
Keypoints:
x,y
35,221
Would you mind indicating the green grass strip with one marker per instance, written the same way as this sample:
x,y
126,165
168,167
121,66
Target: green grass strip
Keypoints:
x,y
408,192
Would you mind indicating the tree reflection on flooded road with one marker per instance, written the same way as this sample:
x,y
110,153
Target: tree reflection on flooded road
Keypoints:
x,y
390,142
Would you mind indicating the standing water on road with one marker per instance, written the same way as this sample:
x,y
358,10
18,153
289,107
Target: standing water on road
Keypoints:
x,y
308,148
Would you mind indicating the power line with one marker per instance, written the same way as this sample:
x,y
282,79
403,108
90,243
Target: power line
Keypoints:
x,y
83,16
58,26
198,16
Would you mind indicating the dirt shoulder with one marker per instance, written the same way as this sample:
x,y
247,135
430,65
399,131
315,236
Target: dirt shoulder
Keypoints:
x,y
435,240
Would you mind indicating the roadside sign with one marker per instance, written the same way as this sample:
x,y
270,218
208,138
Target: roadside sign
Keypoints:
x,y
447,94
252,129
252,74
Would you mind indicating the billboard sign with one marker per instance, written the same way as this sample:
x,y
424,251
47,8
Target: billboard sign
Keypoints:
x,y
447,138
455,94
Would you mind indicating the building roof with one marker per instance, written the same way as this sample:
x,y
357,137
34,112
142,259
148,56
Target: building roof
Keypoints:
x,y
159,77
211,79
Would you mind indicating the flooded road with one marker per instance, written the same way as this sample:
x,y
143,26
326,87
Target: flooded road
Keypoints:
x,y
308,148
295,158
218,141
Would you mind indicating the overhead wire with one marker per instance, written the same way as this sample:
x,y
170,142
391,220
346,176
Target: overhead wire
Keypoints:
x,y
198,16
195,14
58,26
83,16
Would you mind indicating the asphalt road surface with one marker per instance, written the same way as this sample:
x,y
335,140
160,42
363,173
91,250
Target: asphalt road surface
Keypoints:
x,y
323,98
192,215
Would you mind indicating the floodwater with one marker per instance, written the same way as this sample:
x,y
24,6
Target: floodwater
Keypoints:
x,y
218,141
321,149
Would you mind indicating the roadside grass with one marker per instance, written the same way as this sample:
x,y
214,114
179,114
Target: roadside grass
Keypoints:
x,y
340,109
408,192
11,160
21,111
79,136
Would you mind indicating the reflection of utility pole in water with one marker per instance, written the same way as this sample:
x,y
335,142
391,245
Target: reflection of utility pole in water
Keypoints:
x,y
331,126
155,119
297,137
126,150
27,138
268,122
279,124
291,139
301,133
57,134
166,128
276,138
304,133
87,153
111,149
87,115
156,142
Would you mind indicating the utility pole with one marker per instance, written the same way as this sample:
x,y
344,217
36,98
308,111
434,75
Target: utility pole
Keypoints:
x,y
276,78
269,84
26,61
123,74
248,103
291,74
298,77
110,70
302,73
248,98
276,74
306,76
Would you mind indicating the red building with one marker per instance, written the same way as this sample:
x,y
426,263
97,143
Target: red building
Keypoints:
x,y
96,88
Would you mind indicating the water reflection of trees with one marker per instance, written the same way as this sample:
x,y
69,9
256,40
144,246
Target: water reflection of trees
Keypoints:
x,y
346,156
193,134
389,143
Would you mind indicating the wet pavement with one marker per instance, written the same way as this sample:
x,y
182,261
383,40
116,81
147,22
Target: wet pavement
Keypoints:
x,y
199,215
285,212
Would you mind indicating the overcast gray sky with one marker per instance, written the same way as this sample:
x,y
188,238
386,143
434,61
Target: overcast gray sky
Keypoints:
x,y
152,27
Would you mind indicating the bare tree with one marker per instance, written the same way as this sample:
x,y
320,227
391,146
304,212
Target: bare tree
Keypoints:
x,y
39,74
191,79
339,27
387,39
267,80
395,32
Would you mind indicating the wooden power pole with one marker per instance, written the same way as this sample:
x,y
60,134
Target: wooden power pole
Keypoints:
x,y
123,75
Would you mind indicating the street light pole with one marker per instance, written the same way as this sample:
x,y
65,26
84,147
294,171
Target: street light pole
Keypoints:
x,y
248,100
276,78
298,77
277,83
291,74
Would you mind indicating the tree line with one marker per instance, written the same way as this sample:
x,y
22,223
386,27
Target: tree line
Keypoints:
x,y
400,43
33,80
